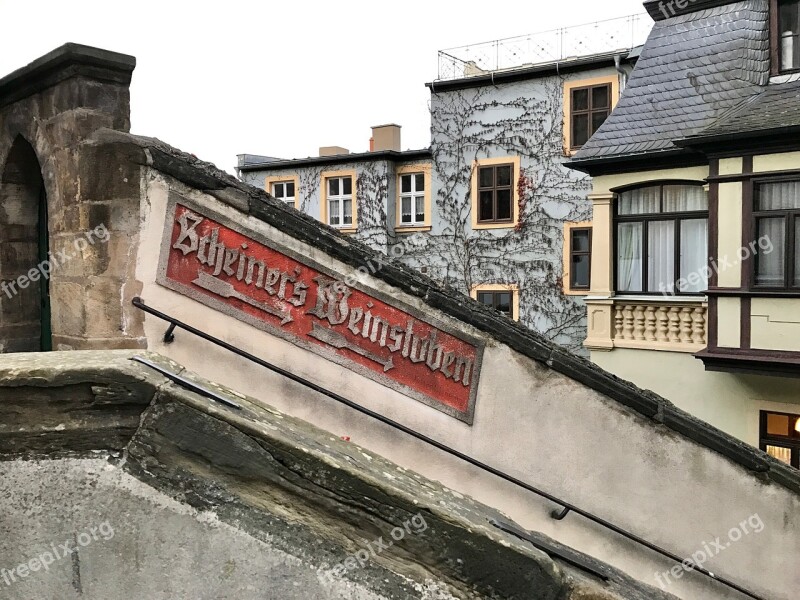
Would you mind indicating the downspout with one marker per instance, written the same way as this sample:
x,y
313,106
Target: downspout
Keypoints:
x,y
618,66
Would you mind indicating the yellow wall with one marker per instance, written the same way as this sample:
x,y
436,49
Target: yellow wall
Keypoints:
x,y
775,324
730,402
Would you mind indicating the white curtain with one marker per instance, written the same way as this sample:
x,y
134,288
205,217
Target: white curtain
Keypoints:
x,y
639,201
694,255
782,195
333,212
796,253
661,256
348,211
770,270
682,198
629,257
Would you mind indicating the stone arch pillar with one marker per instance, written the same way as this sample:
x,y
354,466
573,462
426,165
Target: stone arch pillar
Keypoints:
x,y
24,290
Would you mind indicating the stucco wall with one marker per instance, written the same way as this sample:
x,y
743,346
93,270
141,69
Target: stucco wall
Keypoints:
x,y
530,421
146,544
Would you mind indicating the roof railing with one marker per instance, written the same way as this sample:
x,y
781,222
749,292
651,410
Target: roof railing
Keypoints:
x,y
600,37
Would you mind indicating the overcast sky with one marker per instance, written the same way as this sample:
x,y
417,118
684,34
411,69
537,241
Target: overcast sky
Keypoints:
x,y
280,78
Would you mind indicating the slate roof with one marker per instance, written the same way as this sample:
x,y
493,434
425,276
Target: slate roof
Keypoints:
x,y
693,69
776,107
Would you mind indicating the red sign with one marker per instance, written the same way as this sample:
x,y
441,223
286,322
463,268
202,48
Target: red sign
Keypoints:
x,y
255,282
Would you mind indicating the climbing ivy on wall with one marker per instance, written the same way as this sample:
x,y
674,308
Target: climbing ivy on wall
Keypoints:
x,y
479,123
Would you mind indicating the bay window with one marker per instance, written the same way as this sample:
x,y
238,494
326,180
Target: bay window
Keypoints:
x,y
662,240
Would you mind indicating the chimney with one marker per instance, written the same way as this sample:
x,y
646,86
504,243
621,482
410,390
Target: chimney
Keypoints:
x,y
332,150
387,137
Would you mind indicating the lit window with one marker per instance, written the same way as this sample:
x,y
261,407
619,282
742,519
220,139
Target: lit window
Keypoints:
x,y
412,199
662,240
340,201
285,191
780,437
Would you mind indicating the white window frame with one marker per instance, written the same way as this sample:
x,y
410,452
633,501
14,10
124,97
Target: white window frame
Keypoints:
x,y
283,197
417,199
340,198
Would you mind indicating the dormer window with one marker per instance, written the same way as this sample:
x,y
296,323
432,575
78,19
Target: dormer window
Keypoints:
x,y
785,36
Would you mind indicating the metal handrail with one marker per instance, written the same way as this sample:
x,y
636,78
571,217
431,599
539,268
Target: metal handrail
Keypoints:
x,y
567,507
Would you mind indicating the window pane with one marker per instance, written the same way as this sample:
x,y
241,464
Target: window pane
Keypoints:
x,y
580,99
333,212
347,205
661,256
796,253
783,195
486,177
580,130
486,208
420,209
347,185
420,183
598,118
770,267
778,424
694,255
600,97
406,210
629,257
405,184
580,271
504,302
504,175
580,241
788,33
683,198
782,454
639,201
486,298
503,204
290,189
333,186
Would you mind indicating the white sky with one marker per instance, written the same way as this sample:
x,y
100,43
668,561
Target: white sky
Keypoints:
x,y
280,78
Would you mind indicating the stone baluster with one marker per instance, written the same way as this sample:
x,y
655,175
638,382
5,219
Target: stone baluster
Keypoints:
x,y
627,322
638,322
618,318
686,325
699,325
673,335
662,325
650,323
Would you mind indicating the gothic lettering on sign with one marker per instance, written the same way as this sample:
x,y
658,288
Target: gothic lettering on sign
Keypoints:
x,y
205,257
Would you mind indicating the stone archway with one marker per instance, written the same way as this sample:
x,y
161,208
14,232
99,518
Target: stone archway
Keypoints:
x,y
24,282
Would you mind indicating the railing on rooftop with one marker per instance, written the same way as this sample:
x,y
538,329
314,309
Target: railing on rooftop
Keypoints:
x,y
545,47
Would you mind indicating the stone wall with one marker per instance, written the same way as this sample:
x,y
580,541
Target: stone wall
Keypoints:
x,y
47,111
